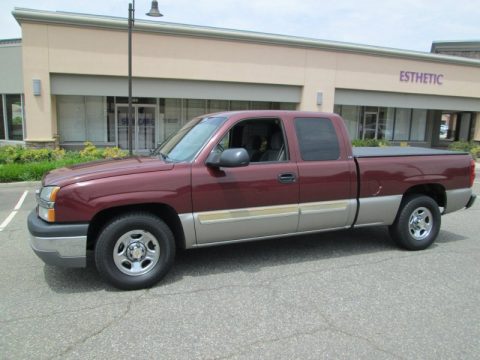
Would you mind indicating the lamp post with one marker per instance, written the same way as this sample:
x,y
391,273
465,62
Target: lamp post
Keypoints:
x,y
131,20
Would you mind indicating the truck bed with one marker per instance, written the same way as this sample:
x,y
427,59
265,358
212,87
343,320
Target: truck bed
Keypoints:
x,y
393,151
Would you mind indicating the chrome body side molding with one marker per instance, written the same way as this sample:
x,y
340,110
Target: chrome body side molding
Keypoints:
x,y
237,224
266,237
326,214
380,210
188,226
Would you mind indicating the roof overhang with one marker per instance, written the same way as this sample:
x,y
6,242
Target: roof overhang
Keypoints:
x,y
96,21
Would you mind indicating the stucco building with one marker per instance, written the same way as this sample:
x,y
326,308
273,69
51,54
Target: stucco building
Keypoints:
x,y
65,82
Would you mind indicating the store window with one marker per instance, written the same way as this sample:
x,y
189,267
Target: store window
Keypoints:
x,y
2,120
111,133
83,118
14,112
195,107
260,105
419,125
402,124
351,116
384,123
214,106
239,105
172,120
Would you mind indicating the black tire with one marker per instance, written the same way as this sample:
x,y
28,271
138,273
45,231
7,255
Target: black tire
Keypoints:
x,y
409,231
140,240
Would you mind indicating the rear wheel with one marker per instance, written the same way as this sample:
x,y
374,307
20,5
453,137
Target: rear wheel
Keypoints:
x,y
134,251
417,224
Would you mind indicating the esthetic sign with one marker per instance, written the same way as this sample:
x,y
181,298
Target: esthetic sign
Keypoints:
x,y
421,77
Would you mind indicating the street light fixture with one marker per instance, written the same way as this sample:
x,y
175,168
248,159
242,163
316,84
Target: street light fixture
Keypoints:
x,y
131,20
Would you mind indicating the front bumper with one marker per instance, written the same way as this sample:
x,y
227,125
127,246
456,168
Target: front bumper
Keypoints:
x,y
58,244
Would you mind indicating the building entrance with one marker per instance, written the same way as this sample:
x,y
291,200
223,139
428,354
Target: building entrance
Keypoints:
x,y
144,127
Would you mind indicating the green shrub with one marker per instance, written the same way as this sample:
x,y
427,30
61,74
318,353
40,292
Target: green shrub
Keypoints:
x,y
475,151
90,151
30,171
10,154
20,164
114,153
20,155
369,143
470,147
460,146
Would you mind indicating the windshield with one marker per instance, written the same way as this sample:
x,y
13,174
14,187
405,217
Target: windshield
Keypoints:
x,y
187,142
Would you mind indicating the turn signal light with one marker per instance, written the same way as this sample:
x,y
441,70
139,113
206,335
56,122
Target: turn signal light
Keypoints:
x,y
51,215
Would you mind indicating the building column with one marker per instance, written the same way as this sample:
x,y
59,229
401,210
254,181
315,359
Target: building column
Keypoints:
x,y
319,85
39,108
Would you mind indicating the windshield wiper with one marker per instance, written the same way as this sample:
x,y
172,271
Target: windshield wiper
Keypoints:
x,y
165,157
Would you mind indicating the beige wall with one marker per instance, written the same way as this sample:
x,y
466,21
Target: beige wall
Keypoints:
x,y
70,50
40,112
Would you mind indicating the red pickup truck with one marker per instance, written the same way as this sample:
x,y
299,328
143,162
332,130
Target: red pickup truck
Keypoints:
x,y
241,176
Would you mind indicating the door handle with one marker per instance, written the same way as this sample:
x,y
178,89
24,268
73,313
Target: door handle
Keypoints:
x,y
287,178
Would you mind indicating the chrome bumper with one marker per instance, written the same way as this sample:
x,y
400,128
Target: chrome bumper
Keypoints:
x,y
58,244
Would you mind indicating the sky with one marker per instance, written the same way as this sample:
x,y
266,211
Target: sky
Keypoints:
x,y
401,24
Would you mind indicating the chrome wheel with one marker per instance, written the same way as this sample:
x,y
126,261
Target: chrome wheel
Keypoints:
x,y
136,252
420,223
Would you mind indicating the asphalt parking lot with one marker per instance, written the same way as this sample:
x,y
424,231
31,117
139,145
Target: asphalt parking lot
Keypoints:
x,y
348,295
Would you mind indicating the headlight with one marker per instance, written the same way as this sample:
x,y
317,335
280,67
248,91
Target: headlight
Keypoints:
x,y
46,202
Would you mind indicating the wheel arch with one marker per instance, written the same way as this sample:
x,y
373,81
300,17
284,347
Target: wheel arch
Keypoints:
x,y
436,191
163,211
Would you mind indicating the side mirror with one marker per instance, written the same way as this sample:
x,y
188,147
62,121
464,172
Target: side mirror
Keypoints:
x,y
236,157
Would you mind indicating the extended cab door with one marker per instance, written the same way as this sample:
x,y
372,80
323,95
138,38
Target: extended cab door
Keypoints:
x,y
327,174
259,200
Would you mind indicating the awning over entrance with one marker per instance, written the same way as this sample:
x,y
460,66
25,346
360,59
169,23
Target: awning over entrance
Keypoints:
x,y
400,100
90,85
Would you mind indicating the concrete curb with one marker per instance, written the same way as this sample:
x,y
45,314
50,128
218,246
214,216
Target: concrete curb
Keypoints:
x,y
36,184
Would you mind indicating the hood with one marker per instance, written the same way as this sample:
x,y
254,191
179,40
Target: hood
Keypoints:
x,y
103,169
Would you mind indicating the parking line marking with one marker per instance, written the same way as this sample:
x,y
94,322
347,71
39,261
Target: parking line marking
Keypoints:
x,y
20,202
17,207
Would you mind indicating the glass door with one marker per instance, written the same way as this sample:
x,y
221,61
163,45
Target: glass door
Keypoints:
x,y
144,127
122,126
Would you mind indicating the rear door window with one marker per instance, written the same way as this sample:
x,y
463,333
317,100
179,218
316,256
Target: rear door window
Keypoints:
x,y
317,139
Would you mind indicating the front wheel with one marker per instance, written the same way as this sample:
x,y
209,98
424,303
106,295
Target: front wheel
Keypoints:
x,y
417,224
134,251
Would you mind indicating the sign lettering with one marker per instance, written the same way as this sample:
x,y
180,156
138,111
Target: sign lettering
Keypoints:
x,y
421,77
